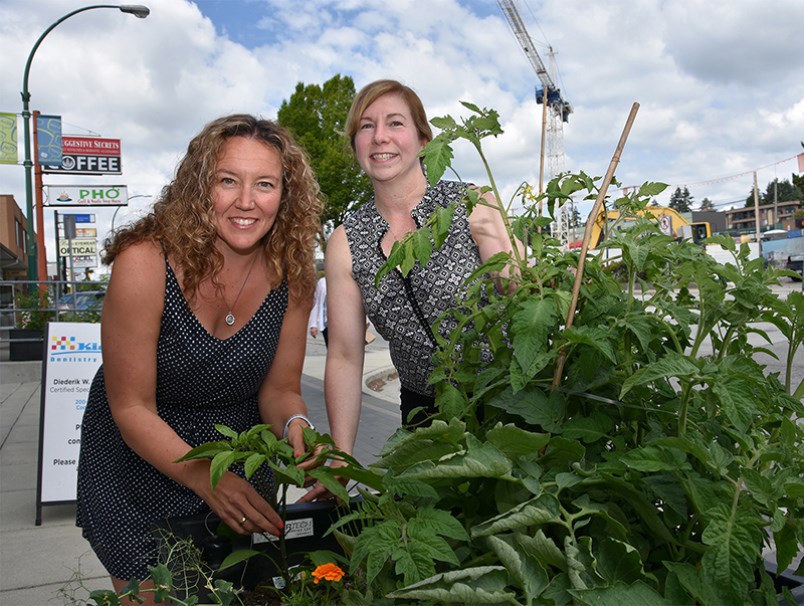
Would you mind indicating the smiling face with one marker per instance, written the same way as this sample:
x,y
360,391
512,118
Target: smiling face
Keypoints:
x,y
387,143
246,193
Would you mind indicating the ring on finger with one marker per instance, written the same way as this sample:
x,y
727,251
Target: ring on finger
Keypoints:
x,y
243,520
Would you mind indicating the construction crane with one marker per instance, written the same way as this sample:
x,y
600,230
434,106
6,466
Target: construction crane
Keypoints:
x,y
555,109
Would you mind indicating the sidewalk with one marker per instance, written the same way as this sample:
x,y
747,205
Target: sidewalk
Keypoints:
x,y
37,562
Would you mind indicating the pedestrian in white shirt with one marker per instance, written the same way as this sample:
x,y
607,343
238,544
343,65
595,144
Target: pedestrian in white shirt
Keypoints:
x,y
318,314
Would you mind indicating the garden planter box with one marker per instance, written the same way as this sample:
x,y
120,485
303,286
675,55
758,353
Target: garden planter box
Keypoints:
x,y
23,351
305,523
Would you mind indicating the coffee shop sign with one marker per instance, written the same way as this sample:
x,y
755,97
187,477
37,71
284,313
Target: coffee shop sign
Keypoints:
x,y
86,195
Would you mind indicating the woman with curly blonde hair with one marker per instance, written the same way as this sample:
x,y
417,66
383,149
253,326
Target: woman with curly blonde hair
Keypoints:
x,y
204,323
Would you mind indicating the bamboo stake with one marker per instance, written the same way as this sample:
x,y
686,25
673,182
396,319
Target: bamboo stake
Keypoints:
x,y
587,236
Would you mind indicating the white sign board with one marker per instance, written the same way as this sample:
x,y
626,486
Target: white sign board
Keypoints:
x,y
80,247
72,357
86,195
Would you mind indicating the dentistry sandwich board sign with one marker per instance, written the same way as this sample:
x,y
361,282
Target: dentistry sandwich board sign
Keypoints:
x,y
72,357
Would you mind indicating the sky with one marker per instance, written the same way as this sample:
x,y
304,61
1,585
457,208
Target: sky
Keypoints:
x,y
720,83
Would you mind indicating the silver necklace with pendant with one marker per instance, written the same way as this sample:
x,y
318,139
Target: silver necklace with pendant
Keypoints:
x,y
230,319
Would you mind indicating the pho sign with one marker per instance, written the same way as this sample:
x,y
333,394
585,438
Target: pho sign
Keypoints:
x,y
88,156
86,195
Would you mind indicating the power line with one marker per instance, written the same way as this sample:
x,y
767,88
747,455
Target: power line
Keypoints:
x,y
722,179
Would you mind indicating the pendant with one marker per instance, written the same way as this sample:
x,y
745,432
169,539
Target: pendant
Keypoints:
x,y
230,319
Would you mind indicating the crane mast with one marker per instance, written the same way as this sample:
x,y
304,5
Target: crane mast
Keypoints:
x,y
556,109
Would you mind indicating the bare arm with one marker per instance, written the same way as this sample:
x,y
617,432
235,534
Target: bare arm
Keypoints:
x,y
489,232
130,326
280,393
345,357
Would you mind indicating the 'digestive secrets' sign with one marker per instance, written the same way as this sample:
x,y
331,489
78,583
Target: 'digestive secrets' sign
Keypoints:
x,y
88,156
72,357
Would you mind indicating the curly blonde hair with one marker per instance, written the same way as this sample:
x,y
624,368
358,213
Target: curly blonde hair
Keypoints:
x,y
183,219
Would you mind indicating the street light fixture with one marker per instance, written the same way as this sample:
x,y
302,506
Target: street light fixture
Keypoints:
x,y
132,9
114,216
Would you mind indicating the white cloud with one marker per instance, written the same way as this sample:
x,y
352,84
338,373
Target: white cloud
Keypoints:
x,y
720,84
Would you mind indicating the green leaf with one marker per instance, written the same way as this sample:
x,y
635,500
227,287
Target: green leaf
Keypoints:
x,y
735,397
414,560
163,582
253,463
693,581
531,328
594,337
240,555
515,442
735,545
226,431
537,511
437,157
618,561
441,221
422,246
104,597
588,429
651,189
451,401
374,544
475,585
786,545
543,549
220,465
529,574
534,406
471,106
330,482
655,458
439,522
620,594
207,450
481,461
671,365
434,546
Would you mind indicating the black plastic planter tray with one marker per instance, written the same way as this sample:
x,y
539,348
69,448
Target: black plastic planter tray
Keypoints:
x,y
305,526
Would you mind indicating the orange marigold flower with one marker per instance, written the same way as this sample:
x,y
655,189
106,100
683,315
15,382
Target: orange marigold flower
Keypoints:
x,y
327,572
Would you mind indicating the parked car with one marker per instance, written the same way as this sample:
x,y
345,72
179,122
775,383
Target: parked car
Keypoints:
x,y
86,300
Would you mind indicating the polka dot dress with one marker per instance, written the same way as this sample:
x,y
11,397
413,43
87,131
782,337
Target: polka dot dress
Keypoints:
x,y
201,381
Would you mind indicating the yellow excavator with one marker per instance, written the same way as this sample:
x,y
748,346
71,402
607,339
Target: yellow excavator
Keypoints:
x,y
670,221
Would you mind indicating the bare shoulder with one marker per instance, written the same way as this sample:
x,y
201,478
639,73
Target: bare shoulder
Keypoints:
x,y
338,255
139,268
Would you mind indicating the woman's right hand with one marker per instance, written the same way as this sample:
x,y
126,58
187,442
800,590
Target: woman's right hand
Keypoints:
x,y
240,506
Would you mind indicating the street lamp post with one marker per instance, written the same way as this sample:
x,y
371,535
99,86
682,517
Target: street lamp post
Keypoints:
x,y
137,11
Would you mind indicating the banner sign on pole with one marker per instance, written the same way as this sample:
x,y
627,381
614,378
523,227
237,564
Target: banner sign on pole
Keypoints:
x,y
8,138
48,133
86,195
72,357
88,156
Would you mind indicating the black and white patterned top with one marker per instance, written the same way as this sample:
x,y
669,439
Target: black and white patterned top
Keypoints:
x,y
201,381
404,310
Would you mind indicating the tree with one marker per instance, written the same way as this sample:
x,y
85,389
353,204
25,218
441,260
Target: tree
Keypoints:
x,y
316,116
681,200
779,191
706,204
798,182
